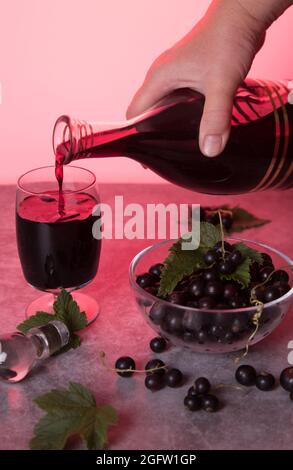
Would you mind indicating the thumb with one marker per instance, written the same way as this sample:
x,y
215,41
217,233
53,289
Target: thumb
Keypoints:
x,y
216,120
154,87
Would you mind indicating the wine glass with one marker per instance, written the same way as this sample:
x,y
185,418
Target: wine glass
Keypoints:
x,y
55,239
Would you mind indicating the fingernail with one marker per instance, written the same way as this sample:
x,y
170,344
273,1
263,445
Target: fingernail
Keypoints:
x,y
212,145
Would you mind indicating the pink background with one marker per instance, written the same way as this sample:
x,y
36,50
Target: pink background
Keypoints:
x,y
86,58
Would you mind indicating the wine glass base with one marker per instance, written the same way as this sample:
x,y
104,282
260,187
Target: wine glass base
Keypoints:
x,y
45,302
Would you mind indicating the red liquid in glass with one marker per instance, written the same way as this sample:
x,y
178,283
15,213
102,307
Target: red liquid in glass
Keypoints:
x,y
57,248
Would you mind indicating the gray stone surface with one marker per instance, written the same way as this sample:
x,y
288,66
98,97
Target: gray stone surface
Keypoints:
x,y
249,420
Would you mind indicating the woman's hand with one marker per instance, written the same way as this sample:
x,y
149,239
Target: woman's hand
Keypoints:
x,y
213,58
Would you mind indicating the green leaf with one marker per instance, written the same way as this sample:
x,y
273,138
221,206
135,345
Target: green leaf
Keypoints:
x,y
209,235
243,220
72,412
248,252
177,266
181,263
39,319
67,310
241,275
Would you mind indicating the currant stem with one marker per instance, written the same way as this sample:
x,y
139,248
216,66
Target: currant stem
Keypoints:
x,y
102,356
222,233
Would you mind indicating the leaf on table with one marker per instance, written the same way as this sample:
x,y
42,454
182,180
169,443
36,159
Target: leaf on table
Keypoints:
x,y
243,220
72,412
39,319
241,275
65,310
68,311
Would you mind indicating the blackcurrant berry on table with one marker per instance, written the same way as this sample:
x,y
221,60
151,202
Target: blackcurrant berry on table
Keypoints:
x,y
155,364
192,391
265,273
226,267
158,344
207,303
246,375
271,293
192,402
173,378
230,290
267,260
146,280
280,275
124,364
202,385
156,269
154,381
265,382
286,379
235,257
214,289
210,257
210,275
210,403
196,288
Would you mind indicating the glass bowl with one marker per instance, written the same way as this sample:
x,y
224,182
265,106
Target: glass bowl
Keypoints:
x,y
209,331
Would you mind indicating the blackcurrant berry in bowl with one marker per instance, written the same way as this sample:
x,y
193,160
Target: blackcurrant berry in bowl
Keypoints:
x,y
156,269
211,257
208,310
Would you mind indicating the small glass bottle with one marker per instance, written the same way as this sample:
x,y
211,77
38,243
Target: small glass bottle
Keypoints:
x,y
19,353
